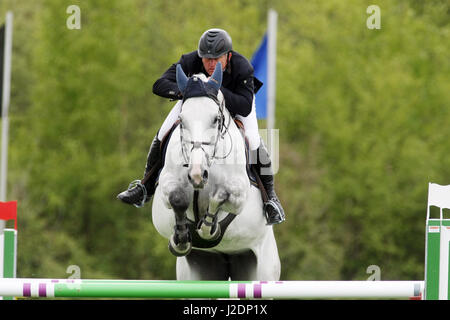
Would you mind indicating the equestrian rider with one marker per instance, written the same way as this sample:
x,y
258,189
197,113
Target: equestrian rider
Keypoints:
x,y
238,87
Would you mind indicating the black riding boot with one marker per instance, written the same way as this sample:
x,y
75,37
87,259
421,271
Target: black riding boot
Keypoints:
x,y
272,207
141,191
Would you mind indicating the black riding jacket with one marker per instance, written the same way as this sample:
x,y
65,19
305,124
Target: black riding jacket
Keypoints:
x,y
238,84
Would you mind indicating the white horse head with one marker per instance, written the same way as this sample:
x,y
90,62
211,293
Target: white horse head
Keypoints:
x,y
201,122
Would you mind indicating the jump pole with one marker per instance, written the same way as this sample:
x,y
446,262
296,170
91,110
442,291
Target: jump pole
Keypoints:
x,y
79,288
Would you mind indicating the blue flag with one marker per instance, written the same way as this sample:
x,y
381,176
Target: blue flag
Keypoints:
x,y
259,62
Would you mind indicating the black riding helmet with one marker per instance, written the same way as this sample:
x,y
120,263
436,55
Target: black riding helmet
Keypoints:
x,y
213,43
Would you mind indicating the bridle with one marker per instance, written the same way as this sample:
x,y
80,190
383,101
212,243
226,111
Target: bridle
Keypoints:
x,y
222,129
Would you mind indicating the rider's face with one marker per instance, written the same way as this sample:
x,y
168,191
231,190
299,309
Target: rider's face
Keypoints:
x,y
210,63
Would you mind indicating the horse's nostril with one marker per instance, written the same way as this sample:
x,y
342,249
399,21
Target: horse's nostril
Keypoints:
x,y
205,175
189,177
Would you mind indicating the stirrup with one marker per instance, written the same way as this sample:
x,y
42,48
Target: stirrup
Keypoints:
x,y
137,183
279,216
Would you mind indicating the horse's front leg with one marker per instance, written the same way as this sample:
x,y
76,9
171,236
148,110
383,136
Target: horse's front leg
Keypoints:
x,y
180,244
175,195
208,227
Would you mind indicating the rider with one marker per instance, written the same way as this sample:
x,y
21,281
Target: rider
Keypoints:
x,y
238,87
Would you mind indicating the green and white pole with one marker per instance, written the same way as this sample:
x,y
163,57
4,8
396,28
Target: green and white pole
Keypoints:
x,y
8,241
79,288
8,252
437,246
8,249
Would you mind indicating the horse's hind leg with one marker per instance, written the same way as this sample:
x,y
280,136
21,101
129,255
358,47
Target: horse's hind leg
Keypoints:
x,y
243,266
203,265
180,244
268,267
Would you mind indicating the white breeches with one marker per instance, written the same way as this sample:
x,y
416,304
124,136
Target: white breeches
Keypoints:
x,y
250,125
171,118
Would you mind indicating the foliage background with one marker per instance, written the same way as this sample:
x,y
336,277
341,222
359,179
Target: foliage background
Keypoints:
x,y
363,117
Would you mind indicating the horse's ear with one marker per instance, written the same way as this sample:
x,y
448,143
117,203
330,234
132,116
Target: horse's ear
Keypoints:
x,y
216,79
181,78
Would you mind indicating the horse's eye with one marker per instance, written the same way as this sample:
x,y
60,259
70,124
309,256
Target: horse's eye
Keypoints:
x,y
216,119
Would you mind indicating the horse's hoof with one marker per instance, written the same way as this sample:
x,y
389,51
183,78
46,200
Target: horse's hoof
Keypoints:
x,y
216,234
180,250
208,236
